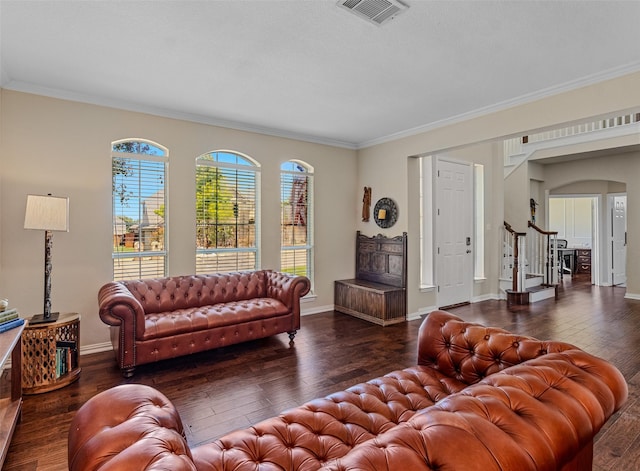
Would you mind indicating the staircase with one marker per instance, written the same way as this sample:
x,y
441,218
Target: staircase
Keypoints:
x,y
529,265
534,290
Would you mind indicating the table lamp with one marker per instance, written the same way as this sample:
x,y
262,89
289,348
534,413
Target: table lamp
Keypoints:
x,y
47,213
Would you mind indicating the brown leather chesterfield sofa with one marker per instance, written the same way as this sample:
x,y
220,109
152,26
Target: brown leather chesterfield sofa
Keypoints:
x,y
478,399
160,318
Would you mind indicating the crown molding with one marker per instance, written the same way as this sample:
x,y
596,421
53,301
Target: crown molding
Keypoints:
x,y
521,100
27,87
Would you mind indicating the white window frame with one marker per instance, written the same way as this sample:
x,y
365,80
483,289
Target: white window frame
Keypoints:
x,y
287,217
217,258
138,263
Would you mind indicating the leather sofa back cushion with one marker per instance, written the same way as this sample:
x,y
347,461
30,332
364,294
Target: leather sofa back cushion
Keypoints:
x,y
470,352
183,292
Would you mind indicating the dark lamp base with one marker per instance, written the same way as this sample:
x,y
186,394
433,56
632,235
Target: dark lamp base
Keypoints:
x,y
40,319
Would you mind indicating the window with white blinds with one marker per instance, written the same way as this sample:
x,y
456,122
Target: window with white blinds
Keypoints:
x,y
296,220
226,215
139,209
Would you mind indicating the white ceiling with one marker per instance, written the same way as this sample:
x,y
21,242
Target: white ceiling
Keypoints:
x,y
309,69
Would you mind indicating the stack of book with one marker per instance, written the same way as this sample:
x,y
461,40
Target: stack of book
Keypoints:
x,y
9,319
66,357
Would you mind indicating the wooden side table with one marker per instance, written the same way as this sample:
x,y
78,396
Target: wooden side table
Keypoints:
x,y
11,404
51,354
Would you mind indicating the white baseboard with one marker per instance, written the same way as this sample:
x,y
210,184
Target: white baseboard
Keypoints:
x,y
423,310
628,295
486,297
413,316
316,310
96,348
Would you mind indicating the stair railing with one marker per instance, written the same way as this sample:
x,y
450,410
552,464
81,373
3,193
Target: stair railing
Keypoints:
x,y
516,145
542,253
513,268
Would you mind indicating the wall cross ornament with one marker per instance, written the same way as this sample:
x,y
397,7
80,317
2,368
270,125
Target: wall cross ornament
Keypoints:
x,y
366,204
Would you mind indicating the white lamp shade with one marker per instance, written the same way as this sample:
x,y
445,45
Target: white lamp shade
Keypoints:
x,y
47,213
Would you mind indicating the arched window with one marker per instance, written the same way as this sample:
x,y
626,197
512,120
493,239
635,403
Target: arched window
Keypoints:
x,y
139,170
296,220
226,214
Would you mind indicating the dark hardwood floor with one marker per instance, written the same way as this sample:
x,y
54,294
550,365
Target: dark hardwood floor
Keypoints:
x,y
234,387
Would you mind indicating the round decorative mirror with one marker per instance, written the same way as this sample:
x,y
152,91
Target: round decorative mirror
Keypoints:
x,y
385,213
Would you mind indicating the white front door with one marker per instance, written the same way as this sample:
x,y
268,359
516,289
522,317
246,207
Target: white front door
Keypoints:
x,y
454,228
619,239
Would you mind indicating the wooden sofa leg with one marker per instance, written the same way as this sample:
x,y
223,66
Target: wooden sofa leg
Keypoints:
x,y
128,372
292,334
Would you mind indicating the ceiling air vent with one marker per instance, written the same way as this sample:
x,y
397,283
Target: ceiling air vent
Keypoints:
x,y
376,11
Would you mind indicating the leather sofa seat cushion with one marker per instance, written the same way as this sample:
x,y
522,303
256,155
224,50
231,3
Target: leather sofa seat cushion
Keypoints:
x,y
171,323
307,437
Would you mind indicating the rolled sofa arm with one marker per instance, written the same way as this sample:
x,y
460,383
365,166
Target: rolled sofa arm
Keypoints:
x,y
118,307
130,427
470,352
287,288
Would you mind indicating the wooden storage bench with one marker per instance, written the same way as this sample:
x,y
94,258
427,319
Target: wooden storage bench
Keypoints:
x,y
378,292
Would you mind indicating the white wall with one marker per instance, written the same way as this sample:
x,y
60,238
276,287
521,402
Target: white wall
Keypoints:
x,y
572,218
63,147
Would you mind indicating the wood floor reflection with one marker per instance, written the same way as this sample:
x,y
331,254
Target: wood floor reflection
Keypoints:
x,y
234,387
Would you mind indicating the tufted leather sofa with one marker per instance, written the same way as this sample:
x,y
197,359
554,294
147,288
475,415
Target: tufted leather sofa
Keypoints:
x,y
479,398
160,318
